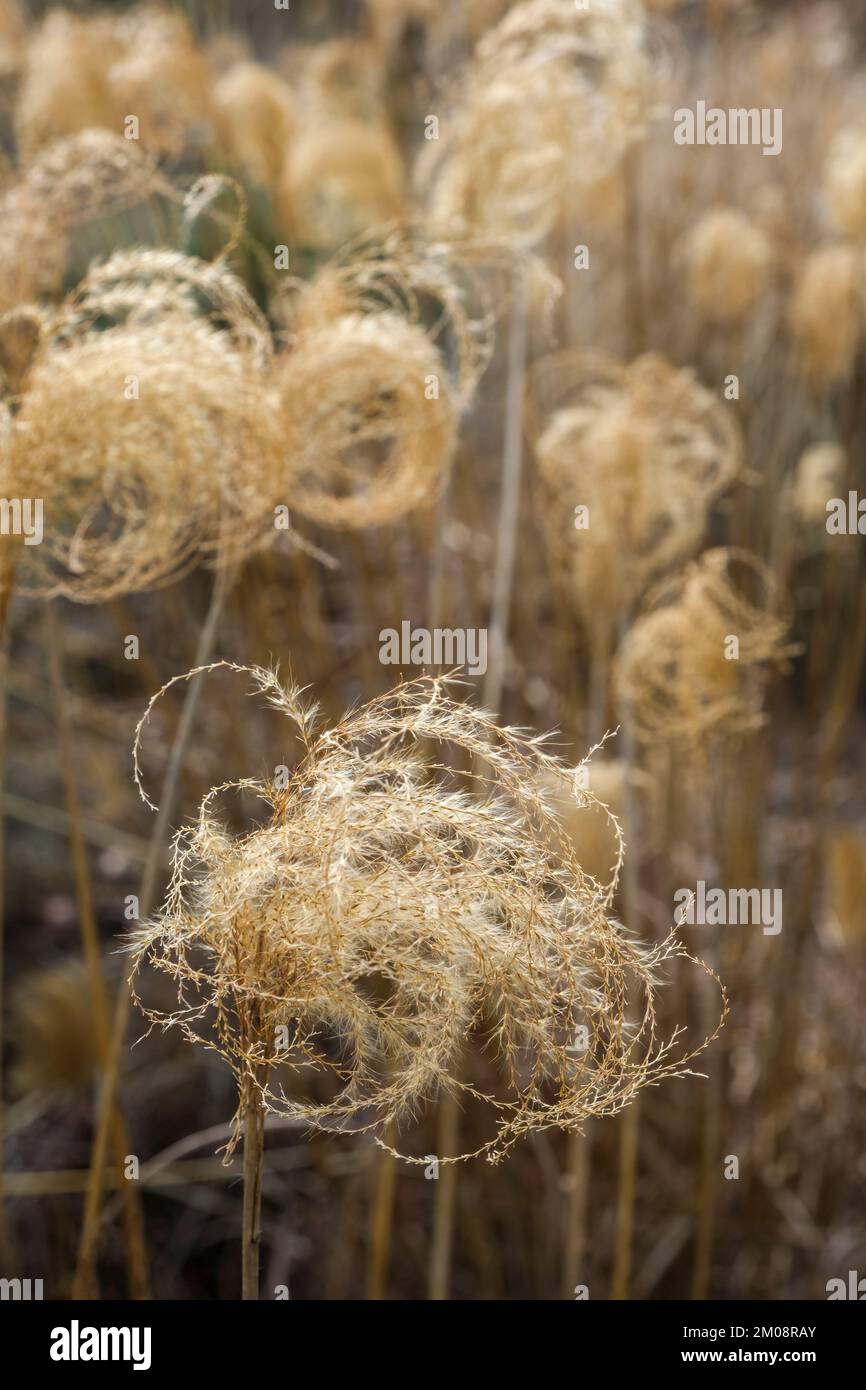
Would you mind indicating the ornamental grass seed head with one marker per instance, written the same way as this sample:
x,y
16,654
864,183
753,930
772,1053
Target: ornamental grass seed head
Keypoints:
x,y
71,183
386,915
642,450
150,428
89,71
385,348
699,657
553,94
728,262
827,315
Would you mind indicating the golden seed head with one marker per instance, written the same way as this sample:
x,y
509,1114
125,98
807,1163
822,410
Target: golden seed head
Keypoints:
x,y
385,915
728,265
845,183
826,315
645,449
820,475
697,660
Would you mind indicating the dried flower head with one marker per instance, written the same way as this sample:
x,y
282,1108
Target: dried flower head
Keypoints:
x,y
554,94
697,659
13,37
65,86
827,315
92,174
342,78
139,287
820,474
20,336
451,285
387,345
505,169
385,916
150,432
78,179
162,75
94,71
728,264
340,178
368,419
642,450
256,121
845,182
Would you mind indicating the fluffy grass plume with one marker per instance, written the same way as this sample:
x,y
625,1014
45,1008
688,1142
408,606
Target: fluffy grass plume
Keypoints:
x,y
728,265
553,93
827,315
385,912
74,181
154,440
678,675
87,71
645,449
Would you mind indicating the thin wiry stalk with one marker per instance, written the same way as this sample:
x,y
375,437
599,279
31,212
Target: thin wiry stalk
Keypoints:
x,y
382,1223
5,1251
625,1196
254,1145
578,1172
708,1183
447,1117
577,1176
500,610
132,1210
88,1243
441,1246
710,820
509,507
630,1123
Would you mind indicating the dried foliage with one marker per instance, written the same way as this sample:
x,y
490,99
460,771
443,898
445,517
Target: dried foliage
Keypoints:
x,y
340,178
423,909
72,182
376,444
845,182
827,312
151,433
386,912
646,449
553,94
256,118
728,264
678,676
93,71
